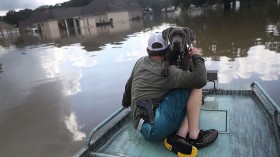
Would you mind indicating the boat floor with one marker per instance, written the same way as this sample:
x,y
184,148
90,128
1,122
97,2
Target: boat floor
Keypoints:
x,y
245,130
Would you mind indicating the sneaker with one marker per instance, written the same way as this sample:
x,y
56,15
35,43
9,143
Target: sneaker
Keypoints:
x,y
204,139
180,146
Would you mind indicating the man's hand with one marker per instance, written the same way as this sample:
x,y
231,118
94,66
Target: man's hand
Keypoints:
x,y
194,51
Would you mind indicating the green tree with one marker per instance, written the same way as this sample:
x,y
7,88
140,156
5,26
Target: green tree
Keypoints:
x,y
43,7
156,6
24,14
144,3
185,4
166,3
13,17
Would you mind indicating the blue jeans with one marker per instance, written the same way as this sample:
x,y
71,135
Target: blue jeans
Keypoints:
x,y
168,116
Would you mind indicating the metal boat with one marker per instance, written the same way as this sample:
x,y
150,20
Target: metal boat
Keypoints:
x,y
245,116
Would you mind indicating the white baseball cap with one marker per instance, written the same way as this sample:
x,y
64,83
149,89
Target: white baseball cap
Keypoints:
x,y
156,42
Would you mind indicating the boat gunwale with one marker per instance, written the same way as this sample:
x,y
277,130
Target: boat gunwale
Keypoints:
x,y
273,114
103,131
258,94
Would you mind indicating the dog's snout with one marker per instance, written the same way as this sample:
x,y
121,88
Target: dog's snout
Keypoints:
x,y
176,45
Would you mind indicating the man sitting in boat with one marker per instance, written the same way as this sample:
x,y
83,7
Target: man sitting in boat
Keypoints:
x,y
167,108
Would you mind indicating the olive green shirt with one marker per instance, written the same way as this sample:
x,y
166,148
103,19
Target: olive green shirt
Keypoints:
x,y
147,82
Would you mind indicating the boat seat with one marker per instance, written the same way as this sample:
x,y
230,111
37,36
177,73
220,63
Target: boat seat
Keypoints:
x,y
212,76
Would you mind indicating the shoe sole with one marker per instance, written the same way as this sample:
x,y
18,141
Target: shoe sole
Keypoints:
x,y
179,154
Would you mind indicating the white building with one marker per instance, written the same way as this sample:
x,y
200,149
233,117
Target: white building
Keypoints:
x,y
53,23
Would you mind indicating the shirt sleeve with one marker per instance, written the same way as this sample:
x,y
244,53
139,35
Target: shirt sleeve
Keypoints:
x,y
186,79
126,101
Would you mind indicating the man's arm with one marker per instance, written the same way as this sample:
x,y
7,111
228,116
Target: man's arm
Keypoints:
x,y
126,101
195,79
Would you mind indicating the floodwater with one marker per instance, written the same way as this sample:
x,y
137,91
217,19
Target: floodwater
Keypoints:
x,y
55,88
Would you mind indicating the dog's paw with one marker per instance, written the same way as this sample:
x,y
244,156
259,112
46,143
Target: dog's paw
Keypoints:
x,y
165,68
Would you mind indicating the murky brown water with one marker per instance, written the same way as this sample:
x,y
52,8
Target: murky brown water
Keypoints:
x,y
55,89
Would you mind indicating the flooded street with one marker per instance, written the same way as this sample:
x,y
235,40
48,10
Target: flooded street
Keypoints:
x,y
55,88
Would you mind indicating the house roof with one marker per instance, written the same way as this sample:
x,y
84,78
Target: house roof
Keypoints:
x,y
25,24
40,15
95,7
55,13
63,13
4,25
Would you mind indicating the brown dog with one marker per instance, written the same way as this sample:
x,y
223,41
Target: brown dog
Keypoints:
x,y
180,39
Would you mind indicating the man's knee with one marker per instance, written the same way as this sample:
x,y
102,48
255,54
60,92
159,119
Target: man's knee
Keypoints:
x,y
196,96
151,134
196,92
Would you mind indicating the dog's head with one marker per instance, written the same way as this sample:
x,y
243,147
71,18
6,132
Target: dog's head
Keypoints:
x,y
178,37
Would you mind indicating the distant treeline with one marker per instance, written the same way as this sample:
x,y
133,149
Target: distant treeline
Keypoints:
x,y
13,17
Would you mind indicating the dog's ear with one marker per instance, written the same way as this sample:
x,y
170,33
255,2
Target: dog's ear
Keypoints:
x,y
166,32
190,35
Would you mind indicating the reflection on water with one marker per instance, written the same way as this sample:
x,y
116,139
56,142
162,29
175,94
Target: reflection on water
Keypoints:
x,y
60,84
92,38
1,69
55,87
265,66
72,126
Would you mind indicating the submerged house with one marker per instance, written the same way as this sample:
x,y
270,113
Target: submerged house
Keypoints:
x,y
58,21
7,30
